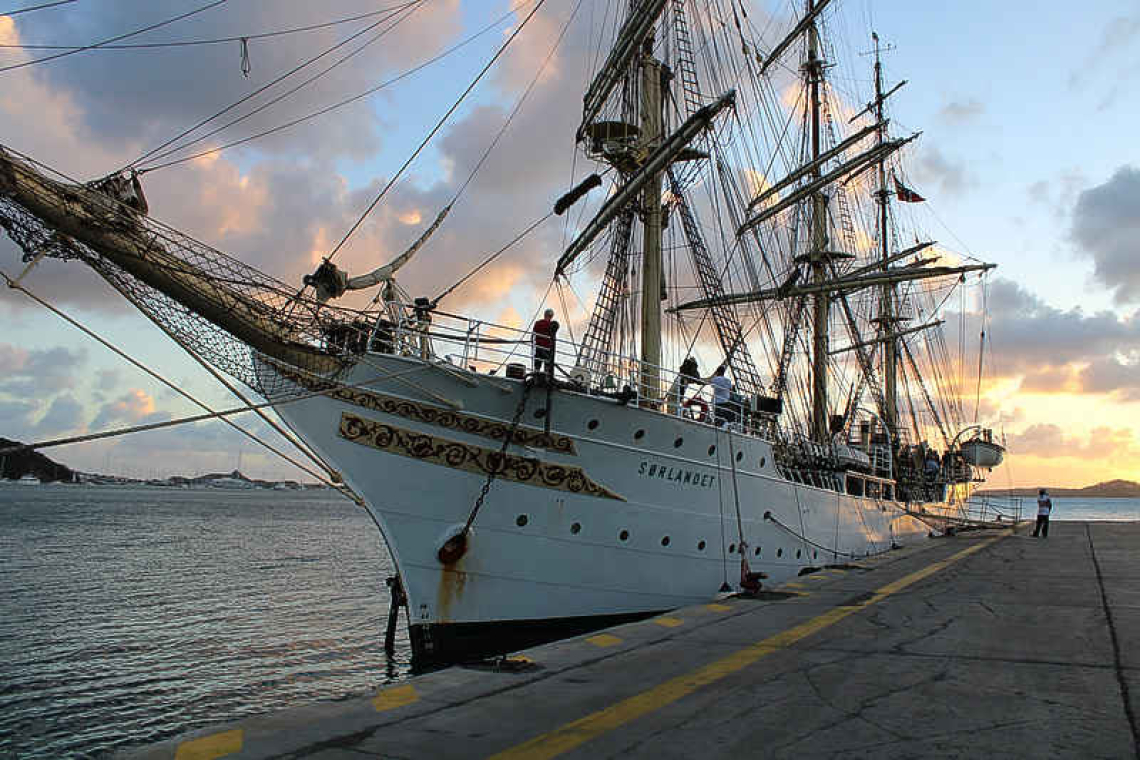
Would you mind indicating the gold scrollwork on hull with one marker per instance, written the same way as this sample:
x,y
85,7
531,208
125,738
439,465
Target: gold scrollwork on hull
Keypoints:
x,y
474,459
434,415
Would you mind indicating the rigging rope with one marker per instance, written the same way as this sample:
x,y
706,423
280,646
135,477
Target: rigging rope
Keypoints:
x,y
92,46
211,413
491,258
326,109
210,41
274,101
413,4
435,129
219,414
40,7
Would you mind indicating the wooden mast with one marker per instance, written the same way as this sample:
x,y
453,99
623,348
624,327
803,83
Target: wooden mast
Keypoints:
x,y
651,267
887,317
817,253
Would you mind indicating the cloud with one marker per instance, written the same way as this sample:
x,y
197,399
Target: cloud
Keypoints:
x,y
38,372
957,112
15,418
133,407
1059,193
1049,350
107,379
1051,441
934,170
1118,36
65,415
1027,334
1110,375
1106,229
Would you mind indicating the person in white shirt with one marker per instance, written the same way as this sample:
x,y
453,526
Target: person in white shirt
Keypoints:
x,y
1044,507
722,395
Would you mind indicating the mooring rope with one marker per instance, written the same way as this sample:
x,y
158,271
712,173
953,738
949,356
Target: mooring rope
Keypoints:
x,y
210,413
769,516
91,333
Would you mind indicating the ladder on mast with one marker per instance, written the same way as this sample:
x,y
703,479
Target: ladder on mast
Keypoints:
x,y
744,372
596,347
686,67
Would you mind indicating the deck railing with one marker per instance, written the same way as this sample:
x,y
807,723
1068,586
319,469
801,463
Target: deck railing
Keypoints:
x,y
487,348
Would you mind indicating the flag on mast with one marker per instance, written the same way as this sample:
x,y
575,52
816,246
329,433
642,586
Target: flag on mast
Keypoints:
x,y
905,194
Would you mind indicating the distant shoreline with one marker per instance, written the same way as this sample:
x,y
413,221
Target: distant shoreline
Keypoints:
x,y
1113,489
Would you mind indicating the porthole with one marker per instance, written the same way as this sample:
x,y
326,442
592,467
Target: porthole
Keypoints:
x,y
732,548
757,551
779,552
576,528
539,413
521,520
624,535
677,443
799,553
592,424
761,461
712,450
639,435
665,541
700,546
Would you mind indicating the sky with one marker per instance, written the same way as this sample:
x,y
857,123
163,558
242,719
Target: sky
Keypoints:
x,y
1027,159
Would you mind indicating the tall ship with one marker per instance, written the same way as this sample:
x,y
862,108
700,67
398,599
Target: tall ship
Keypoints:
x,y
763,386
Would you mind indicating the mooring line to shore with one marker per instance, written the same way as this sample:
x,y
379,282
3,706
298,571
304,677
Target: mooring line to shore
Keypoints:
x,y
1125,696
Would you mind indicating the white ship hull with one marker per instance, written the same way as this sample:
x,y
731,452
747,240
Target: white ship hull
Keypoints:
x,y
604,523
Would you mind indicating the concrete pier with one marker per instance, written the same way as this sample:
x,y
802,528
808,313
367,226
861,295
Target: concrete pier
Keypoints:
x,y
986,644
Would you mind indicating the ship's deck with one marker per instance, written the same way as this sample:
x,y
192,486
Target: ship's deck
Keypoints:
x,y
989,643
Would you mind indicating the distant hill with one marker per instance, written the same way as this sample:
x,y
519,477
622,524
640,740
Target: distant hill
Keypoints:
x,y
1109,489
20,463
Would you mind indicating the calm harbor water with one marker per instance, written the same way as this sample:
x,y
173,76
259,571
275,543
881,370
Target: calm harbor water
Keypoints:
x,y
130,615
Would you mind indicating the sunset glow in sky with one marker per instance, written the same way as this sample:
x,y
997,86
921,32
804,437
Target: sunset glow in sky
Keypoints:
x,y
1028,159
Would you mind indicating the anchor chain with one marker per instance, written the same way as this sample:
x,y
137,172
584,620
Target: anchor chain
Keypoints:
x,y
456,546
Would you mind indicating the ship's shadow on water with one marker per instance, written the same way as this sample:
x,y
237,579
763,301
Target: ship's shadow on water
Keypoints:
x,y
132,615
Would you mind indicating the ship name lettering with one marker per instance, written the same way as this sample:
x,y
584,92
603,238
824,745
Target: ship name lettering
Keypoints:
x,y
675,474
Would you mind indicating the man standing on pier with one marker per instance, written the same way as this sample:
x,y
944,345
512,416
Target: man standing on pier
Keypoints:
x,y
1044,507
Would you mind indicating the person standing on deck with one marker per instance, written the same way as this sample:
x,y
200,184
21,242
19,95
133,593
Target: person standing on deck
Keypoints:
x,y
545,331
722,397
1044,508
690,374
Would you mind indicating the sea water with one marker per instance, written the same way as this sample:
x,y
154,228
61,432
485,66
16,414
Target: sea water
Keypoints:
x,y
131,615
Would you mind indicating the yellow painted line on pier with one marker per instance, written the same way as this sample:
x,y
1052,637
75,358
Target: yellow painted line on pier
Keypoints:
x,y
718,607
604,640
668,622
390,699
210,747
574,734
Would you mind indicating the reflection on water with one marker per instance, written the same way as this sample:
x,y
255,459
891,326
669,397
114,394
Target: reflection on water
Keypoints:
x,y
130,615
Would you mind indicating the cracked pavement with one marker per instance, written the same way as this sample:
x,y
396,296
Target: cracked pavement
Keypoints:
x,y
1026,648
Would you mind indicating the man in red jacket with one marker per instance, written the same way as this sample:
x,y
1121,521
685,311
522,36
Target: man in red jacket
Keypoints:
x,y
545,330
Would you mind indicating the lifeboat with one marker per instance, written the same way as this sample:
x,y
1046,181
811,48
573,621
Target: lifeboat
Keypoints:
x,y
981,451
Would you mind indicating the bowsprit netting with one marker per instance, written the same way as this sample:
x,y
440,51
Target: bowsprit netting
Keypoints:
x,y
226,312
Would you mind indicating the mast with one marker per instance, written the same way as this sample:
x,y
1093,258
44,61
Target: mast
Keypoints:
x,y
817,253
886,303
651,268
